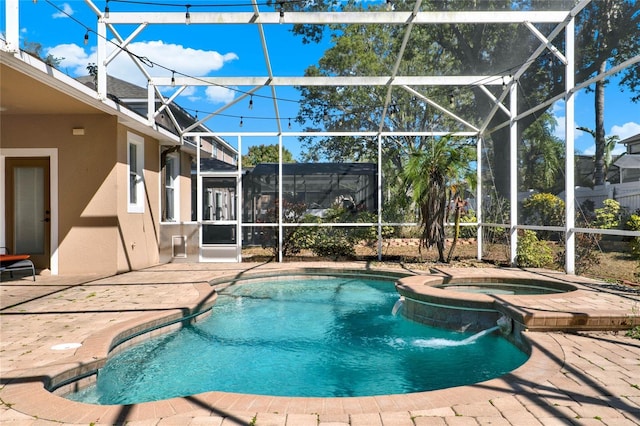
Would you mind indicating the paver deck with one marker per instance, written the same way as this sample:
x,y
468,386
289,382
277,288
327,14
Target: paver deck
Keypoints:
x,y
580,378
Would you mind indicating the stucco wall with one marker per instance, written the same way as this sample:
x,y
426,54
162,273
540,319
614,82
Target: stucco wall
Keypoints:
x,y
139,232
95,232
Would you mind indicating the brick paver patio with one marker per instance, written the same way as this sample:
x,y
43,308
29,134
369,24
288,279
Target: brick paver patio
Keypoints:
x,y
585,378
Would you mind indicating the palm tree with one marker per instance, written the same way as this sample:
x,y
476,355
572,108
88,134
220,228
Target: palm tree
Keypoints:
x,y
436,173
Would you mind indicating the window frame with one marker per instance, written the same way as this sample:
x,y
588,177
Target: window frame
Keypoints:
x,y
171,169
135,171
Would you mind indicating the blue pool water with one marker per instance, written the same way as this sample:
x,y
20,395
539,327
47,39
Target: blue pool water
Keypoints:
x,y
332,337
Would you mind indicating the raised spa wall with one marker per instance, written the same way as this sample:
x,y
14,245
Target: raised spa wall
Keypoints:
x,y
426,303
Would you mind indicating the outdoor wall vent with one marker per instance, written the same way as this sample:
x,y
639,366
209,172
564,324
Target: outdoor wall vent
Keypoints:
x,y
179,246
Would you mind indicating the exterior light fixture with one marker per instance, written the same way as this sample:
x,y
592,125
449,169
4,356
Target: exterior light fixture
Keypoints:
x,y
106,10
173,78
251,102
289,124
241,122
86,38
187,16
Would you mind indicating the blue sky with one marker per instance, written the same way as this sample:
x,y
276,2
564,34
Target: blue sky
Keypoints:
x,y
227,50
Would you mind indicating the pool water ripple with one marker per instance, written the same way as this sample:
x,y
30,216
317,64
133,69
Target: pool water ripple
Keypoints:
x,y
318,337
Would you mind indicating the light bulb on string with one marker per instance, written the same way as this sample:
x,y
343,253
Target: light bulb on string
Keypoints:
x,y
241,122
173,78
251,102
187,16
86,38
289,124
106,10
281,19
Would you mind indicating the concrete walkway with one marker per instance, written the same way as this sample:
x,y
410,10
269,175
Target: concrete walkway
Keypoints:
x,y
586,378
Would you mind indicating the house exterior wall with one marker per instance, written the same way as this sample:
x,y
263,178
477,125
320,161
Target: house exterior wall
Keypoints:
x,y
95,232
139,232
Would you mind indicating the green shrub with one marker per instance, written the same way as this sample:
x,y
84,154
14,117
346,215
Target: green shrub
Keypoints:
x,y
543,210
531,252
338,241
468,231
608,217
634,225
292,212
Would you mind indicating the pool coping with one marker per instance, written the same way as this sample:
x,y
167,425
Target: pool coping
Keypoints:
x,y
27,393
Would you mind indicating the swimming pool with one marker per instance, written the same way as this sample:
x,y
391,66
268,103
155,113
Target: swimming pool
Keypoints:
x,y
320,337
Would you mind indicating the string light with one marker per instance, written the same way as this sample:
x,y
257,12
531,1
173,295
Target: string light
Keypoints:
x,y
86,38
187,16
389,5
289,124
173,78
451,99
251,102
392,110
281,19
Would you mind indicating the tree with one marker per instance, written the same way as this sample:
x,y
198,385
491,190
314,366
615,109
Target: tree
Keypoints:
x,y
35,49
608,33
435,175
265,154
541,157
463,49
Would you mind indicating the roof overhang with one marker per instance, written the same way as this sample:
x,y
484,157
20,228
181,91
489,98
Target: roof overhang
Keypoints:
x,y
628,161
31,87
631,140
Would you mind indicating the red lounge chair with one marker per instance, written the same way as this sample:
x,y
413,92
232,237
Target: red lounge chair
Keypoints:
x,y
16,262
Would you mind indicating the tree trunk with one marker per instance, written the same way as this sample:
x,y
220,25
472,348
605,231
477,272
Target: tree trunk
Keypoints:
x,y
599,163
456,229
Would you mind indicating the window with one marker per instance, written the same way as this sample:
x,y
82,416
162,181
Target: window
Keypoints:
x,y
171,188
135,161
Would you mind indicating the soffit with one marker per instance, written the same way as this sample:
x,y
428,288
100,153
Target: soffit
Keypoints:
x,y
23,95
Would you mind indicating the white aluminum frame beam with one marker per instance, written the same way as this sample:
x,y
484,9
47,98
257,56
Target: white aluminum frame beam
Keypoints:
x,y
555,33
570,205
468,80
327,18
396,66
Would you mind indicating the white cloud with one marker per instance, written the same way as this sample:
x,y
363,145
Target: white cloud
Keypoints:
x,y
183,60
219,94
74,58
626,130
65,13
623,132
